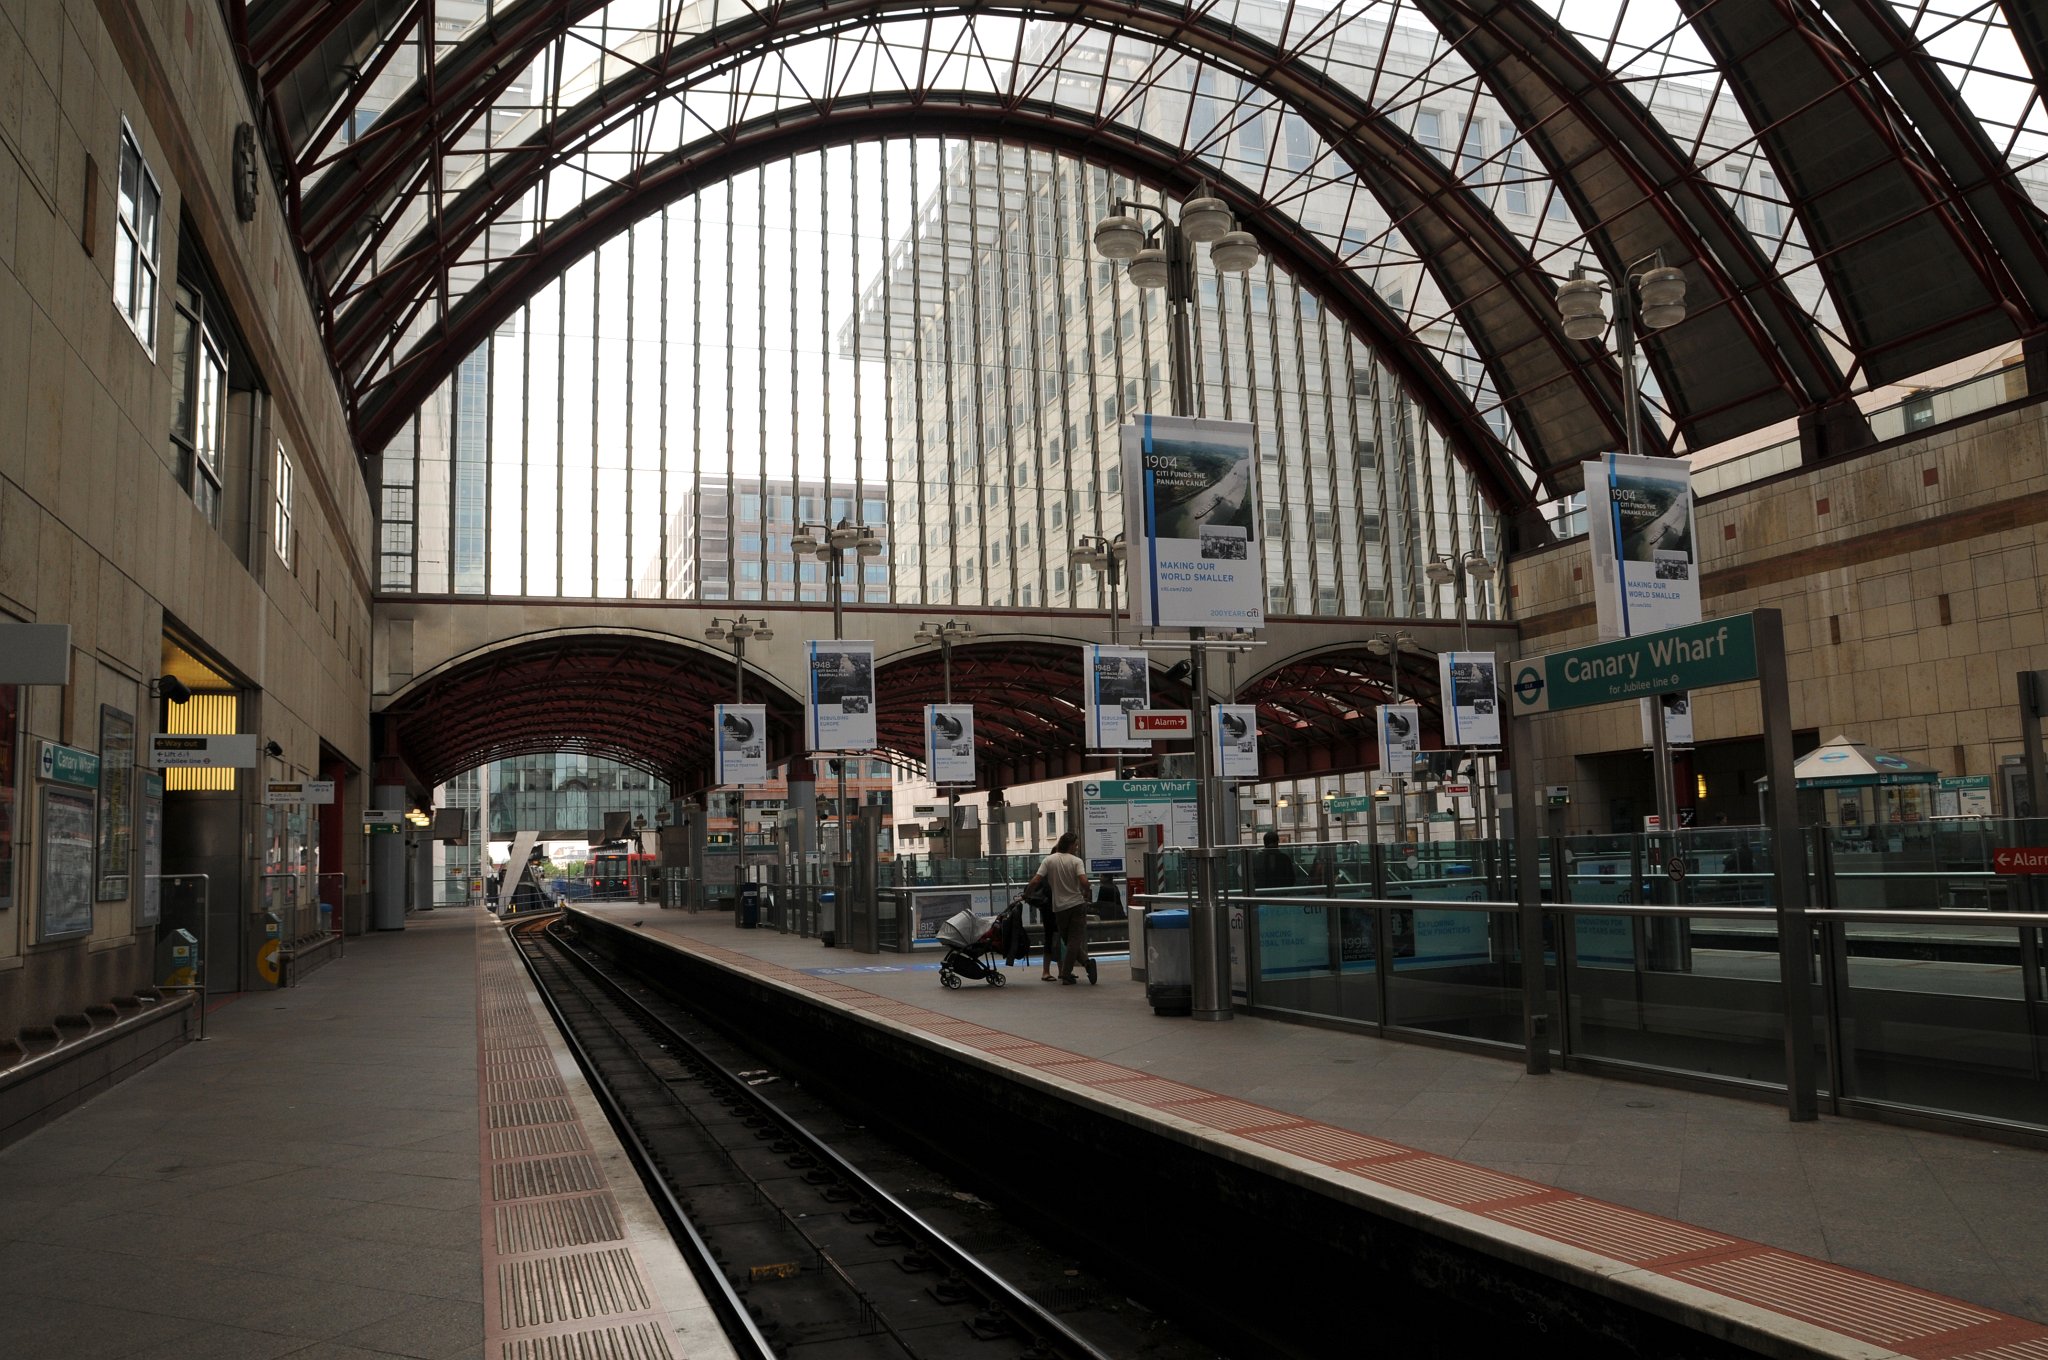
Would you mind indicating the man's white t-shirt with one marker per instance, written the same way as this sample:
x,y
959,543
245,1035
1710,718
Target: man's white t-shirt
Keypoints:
x,y
1068,879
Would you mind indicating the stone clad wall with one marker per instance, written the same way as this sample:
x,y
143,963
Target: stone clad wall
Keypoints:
x,y
96,529
1910,583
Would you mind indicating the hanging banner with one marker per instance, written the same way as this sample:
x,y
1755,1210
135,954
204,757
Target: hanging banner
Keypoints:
x,y
1677,719
1639,524
842,705
1119,682
1237,739
1400,736
1471,698
949,743
739,744
1191,516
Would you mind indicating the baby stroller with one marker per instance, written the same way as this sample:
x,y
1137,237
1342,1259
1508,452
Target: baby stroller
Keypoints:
x,y
972,942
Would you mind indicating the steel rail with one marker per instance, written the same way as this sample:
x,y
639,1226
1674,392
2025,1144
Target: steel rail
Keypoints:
x,y
1031,1318
731,1310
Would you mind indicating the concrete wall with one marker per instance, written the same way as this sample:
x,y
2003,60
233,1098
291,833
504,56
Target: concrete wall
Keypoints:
x,y
96,529
1910,582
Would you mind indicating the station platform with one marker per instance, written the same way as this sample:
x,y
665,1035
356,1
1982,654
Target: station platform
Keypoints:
x,y
397,1157
1843,1237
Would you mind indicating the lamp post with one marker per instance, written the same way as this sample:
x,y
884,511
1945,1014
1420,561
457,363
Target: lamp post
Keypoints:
x,y
1390,646
1455,571
830,544
1164,257
945,635
1106,555
1656,297
737,632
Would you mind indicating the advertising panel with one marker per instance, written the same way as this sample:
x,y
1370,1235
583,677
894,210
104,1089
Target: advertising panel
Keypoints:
x,y
1119,681
67,862
1639,525
1677,718
739,744
949,743
842,695
1237,739
1191,514
1400,736
10,776
150,835
117,802
1471,698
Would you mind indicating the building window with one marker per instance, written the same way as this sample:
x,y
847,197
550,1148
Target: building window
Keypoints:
x,y
1059,577
138,214
1429,130
281,488
199,400
1517,188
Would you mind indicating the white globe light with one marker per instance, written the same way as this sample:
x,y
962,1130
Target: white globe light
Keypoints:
x,y
1234,252
1119,237
1663,292
1148,268
1580,308
1205,219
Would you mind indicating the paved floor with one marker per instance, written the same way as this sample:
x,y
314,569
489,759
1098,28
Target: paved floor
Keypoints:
x,y
1953,1215
311,1180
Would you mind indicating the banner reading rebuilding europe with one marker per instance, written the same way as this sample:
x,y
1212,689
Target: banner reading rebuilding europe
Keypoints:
x,y
1191,516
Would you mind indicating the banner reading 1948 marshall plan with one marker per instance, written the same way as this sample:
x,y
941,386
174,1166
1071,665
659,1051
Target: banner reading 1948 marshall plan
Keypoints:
x,y
1191,517
1118,680
842,706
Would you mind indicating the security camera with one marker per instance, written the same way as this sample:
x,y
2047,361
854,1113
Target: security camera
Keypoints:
x,y
273,750
172,688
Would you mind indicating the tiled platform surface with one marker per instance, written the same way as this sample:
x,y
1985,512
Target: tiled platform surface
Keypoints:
x,y
1894,1241
315,1181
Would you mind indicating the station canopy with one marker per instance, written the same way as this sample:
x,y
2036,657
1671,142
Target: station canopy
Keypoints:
x,y
1853,189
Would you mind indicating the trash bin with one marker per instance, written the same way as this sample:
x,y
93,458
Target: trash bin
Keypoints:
x,y
750,906
1169,963
177,959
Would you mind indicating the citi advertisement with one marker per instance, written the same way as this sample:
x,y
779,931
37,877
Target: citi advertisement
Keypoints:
x,y
1119,679
739,744
1399,738
1639,524
842,698
1236,728
1191,510
949,743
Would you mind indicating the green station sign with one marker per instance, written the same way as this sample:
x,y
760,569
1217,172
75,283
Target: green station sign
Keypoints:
x,y
1140,790
1697,656
1350,804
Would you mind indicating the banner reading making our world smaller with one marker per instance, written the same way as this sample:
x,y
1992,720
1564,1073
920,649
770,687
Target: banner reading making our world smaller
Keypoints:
x,y
842,697
1191,517
1639,526
739,743
949,743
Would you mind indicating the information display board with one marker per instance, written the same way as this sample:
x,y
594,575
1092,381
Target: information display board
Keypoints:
x,y
1110,807
117,803
65,849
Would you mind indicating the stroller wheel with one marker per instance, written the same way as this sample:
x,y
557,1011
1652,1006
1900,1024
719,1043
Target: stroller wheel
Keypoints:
x,y
996,979
949,978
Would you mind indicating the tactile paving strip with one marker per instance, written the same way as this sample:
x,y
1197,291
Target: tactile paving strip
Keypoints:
x,y
560,1280
1910,1321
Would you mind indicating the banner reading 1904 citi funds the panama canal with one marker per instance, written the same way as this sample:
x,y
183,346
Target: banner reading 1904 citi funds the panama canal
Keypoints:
x,y
1191,518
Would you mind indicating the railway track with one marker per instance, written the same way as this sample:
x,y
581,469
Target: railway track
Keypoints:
x,y
811,1235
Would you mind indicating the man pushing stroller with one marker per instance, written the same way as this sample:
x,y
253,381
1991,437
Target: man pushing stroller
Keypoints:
x,y
1066,878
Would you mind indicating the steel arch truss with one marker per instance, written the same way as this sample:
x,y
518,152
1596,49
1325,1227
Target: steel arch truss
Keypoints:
x,y
634,699
1926,246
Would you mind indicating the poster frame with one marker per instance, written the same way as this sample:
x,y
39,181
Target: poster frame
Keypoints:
x,y
1223,585
846,729
115,836
1104,733
66,915
149,849
11,763
1626,607
1465,726
730,769
1236,758
1398,757
953,766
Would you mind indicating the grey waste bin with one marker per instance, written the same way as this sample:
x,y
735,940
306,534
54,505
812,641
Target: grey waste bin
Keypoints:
x,y
1169,967
750,906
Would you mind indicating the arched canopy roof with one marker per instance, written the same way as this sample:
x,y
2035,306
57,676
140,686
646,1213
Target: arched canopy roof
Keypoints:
x,y
1855,198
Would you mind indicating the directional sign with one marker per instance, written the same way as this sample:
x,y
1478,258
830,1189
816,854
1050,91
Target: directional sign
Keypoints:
x,y
278,793
208,752
1161,724
2020,859
1697,656
318,790
68,765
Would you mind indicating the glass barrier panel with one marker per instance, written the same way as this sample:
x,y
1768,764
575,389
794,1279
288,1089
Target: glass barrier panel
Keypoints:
x,y
1317,961
1704,999
1939,1017
1455,971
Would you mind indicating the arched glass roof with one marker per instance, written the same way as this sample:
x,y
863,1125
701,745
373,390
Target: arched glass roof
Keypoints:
x,y
1853,189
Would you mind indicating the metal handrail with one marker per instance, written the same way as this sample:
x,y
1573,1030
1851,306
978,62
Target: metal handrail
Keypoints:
x,y
1705,910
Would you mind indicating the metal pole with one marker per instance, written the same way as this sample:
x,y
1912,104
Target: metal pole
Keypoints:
x,y
1788,866
1400,784
739,794
2033,698
952,791
842,873
1521,734
1660,743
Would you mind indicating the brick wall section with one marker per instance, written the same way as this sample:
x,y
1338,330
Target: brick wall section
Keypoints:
x,y
1909,579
